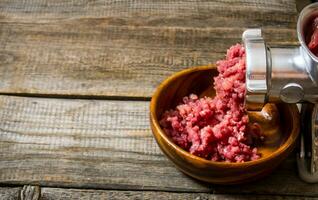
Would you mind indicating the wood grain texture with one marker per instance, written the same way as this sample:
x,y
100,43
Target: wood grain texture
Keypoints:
x,y
30,192
103,144
10,193
83,143
124,48
72,194
86,194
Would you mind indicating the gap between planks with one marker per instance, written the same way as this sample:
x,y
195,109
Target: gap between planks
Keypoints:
x,y
79,97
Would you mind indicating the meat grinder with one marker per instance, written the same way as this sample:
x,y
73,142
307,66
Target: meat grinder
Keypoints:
x,y
289,75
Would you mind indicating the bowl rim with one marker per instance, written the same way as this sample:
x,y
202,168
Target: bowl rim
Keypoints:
x,y
155,122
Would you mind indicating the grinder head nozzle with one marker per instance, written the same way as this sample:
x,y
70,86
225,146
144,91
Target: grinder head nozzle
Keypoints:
x,y
256,69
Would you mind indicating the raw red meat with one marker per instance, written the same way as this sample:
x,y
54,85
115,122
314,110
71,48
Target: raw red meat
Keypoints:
x,y
312,36
216,129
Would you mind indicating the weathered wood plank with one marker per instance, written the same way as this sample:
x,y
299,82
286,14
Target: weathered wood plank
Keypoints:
x,y
83,143
70,194
176,12
10,193
85,194
103,144
124,48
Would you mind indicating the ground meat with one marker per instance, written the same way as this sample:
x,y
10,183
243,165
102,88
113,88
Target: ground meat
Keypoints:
x,y
312,35
216,128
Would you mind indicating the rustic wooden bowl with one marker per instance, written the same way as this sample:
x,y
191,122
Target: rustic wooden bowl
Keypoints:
x,y
279,123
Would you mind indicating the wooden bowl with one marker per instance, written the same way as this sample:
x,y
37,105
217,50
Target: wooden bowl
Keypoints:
x,y
279,123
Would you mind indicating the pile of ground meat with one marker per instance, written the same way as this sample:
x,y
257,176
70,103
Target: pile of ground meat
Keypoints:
x,y
216,128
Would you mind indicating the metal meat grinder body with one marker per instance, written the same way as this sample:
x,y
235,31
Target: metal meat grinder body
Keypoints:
x,y
290,75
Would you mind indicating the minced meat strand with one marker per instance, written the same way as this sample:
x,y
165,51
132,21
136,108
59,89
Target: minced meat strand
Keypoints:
x,y
216,128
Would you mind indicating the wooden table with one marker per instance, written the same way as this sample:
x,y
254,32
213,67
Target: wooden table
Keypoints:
x,y
76,78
